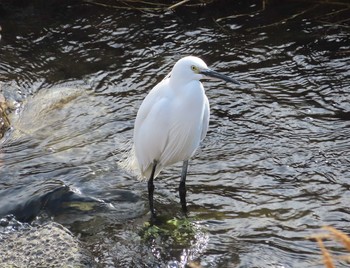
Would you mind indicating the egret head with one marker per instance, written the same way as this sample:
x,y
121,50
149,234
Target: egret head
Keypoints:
x,y
194,68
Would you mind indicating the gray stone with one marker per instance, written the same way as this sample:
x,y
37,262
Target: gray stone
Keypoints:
x,y
49,245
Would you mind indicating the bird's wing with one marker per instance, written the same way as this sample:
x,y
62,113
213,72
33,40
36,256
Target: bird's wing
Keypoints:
x,y
153,96
148,140
206,116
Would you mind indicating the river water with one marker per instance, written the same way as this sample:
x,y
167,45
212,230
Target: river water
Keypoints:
x,y
272,171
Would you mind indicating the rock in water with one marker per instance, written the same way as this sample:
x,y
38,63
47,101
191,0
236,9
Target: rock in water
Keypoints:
x,y
49,245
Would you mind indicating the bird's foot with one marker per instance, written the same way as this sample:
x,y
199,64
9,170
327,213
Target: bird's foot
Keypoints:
x,y
184,209
153,219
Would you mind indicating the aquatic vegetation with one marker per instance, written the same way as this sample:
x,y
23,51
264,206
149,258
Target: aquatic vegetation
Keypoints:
x,y
180,236
181,231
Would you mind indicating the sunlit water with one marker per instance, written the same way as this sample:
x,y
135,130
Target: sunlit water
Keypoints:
x,y
273,169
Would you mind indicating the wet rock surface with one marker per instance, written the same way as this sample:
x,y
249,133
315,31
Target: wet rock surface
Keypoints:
x,y
48,245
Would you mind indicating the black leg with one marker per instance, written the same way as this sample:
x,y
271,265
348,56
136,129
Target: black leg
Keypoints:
x,y
182,186
151,190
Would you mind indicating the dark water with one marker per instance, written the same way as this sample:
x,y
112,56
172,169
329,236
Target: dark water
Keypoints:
x,y
273,169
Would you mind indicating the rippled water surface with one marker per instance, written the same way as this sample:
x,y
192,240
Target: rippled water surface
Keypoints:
x,y
273,169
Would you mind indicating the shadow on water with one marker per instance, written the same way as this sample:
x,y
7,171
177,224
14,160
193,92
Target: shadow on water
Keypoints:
x,y
273,169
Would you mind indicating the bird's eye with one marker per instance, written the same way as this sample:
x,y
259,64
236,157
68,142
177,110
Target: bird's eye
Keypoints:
x,y
194,68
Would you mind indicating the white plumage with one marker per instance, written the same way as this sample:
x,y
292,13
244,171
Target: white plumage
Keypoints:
x,y
172,121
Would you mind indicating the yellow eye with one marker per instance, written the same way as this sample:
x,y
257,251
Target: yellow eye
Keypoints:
x,y
194,68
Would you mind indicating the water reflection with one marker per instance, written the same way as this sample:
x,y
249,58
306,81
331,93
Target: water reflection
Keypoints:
x,y
274,165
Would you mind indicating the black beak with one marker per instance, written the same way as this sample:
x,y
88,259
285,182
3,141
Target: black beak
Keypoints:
x,y
211,73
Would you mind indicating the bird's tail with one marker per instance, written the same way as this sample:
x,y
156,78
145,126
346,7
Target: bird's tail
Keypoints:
x,y
128,161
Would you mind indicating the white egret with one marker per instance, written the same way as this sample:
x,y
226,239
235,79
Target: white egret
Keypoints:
x,y
172,121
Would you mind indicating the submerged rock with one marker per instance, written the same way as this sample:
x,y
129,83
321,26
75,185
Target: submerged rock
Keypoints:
x,y
4,122
49,245
40,113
